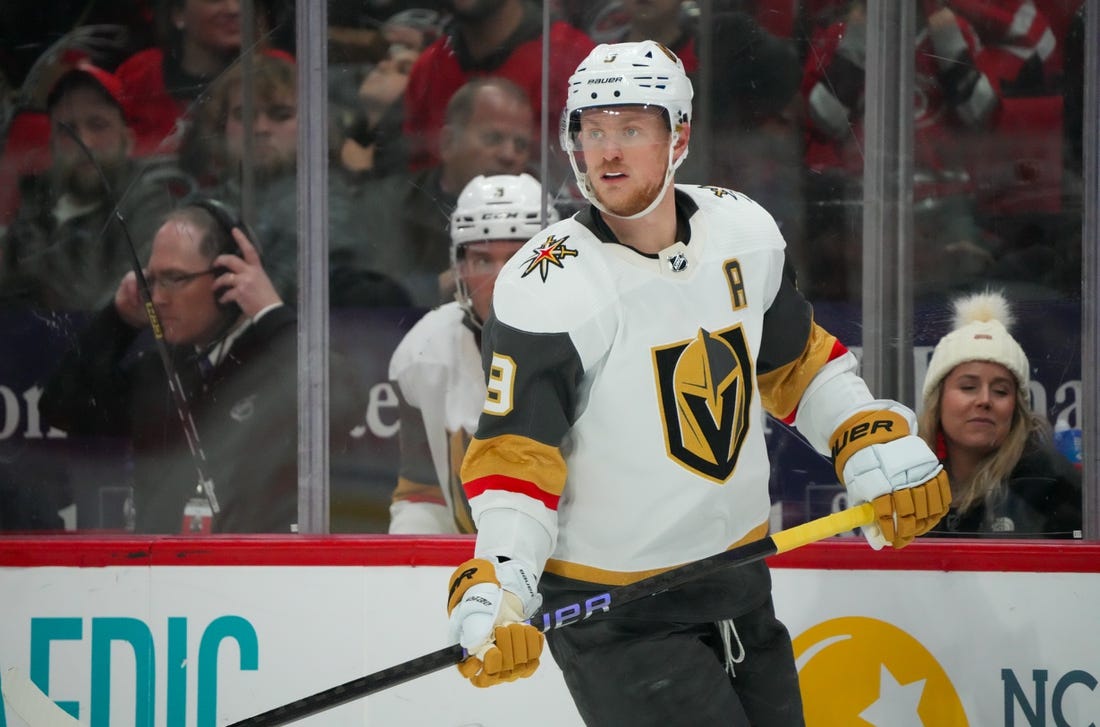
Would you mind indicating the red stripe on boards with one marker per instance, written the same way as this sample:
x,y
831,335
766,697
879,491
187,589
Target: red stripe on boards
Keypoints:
x,y
840,553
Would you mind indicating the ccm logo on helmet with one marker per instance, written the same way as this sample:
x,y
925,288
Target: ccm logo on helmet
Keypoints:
x,y
859,431
614,79
499,215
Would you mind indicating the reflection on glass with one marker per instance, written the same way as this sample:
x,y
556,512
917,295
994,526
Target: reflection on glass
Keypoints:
x,y
105,124
994,204
471,104
1008,479
156,356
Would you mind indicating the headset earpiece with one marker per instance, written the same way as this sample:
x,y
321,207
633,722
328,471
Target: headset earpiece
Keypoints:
x,y
226,218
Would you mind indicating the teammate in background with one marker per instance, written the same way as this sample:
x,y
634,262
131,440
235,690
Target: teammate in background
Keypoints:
x,y
629,355
436,369
233,345
1007,476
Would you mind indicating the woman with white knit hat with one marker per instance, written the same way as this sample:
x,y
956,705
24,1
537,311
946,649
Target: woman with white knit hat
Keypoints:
x,y
1006,477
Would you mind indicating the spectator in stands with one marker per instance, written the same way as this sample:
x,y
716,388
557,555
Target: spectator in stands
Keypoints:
x,y
24,124
373,144
367,77
32,30
954,97
202,39
213,151
233,344
1019,48
436,370
987,177
415,28
62,251
755,119
1006,477
488,129
665,21
1016,166
487,38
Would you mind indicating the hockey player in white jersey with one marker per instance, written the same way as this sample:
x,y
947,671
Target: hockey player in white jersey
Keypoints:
x,y
629,355
436,369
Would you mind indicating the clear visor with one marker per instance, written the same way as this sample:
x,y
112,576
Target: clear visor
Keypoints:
x,y
622,156
606,132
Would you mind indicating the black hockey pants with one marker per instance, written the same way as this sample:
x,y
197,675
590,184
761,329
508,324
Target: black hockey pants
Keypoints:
x,y
646,664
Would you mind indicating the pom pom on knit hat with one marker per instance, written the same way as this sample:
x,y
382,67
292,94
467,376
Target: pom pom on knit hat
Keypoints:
x,y
982,322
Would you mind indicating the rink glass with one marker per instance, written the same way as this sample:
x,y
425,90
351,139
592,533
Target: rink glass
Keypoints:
x,y
887,217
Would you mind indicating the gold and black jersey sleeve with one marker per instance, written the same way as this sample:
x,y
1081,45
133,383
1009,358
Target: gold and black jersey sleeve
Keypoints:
x,y
792,350
547,381
518,450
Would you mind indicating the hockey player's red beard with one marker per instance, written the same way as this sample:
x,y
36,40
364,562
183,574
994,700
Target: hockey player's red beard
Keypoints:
x,y
628,202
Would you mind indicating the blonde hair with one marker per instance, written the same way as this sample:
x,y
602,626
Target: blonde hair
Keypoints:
x,y
989,481
203,151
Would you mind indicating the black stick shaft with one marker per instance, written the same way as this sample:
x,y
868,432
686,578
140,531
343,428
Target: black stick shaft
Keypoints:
x,y
175,387
570,613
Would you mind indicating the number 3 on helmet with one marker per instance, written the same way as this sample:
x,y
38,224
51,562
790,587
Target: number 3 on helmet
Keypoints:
x,y
627,74
497,207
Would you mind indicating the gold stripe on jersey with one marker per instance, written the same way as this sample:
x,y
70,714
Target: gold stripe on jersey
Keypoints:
x,y
512,458
588,574
417,492
781,389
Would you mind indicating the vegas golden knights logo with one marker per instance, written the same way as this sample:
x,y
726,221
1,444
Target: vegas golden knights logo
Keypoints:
x,y
705,388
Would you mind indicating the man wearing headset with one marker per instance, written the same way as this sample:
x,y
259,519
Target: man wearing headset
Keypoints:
x,y
233,345
436,369
629,355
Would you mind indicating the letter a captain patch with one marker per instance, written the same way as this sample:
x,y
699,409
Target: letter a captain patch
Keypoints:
x,y
705,389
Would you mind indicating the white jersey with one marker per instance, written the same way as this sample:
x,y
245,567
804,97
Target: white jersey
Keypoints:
x,y
437,371
626,391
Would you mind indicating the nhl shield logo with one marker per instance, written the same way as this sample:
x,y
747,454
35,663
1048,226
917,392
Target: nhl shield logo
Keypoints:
x,y
705,389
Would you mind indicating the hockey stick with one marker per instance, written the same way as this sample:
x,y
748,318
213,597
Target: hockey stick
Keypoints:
x,y
570,613
28,701
175,386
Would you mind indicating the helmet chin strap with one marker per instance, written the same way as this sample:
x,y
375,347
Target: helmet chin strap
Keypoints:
x,y
670,169
462,296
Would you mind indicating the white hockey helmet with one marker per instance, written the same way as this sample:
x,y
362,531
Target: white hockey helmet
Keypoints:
x,y
643,73
497,207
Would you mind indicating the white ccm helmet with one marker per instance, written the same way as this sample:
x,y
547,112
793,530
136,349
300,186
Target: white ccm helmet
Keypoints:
x,y
619,74
497,207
